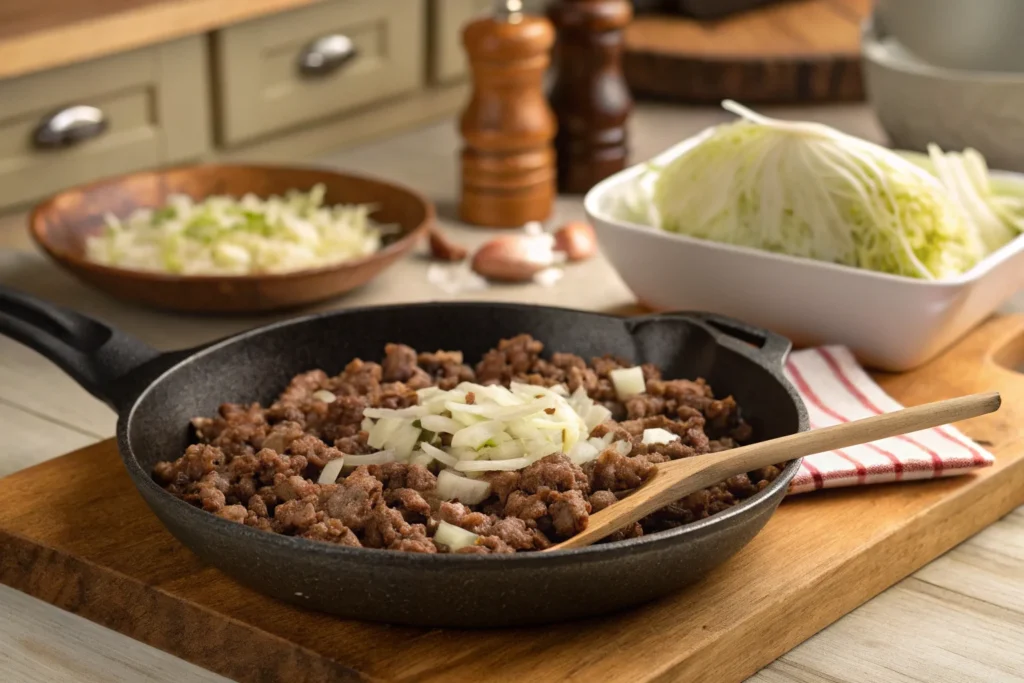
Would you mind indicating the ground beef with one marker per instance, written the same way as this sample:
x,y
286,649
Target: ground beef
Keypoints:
x,y
502,484
332,531
569,512
599,500
556,472
411,503
616,472
396,475
355,500
259,466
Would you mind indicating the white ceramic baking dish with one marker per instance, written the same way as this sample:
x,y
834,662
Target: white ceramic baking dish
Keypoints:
x,y
890,322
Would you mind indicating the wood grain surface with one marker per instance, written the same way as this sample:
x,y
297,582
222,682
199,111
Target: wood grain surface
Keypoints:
x,y
799,51
819,557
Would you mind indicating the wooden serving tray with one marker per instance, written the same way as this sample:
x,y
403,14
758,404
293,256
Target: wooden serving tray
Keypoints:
x,y
798,51
74,532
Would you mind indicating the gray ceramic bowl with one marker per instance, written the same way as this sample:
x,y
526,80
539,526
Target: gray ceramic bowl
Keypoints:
x,y
918,103
976,35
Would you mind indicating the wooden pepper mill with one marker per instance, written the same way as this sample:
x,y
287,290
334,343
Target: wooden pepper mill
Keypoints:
x,y
508,160
590,96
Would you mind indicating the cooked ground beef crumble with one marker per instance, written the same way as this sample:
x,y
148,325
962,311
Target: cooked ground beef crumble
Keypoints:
x,y
259,466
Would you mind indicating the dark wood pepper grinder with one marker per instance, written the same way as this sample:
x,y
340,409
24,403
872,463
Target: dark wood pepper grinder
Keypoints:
x,y
508,159
590,96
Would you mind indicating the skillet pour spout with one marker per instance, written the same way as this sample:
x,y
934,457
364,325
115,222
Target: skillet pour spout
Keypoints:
x,y
156,395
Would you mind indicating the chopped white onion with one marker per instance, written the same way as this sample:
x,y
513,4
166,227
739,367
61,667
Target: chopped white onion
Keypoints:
x,y
498,412
451,486
493,465
378,458
454,537
582,452
477,435
403,440
439,455
623,447
628,382
492,392
420,458
411,411
503,428
366,425
658,435
503,451
325,396
382,431
596,414
440,424
329,474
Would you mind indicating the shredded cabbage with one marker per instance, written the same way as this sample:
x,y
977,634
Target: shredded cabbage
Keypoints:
x,y
805,189
996,212
222,235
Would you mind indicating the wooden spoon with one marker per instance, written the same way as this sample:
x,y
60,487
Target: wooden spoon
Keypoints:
x,y
679,478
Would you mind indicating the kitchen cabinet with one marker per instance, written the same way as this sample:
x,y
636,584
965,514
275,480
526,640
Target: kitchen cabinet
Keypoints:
x,y
214,80
450,16
108,116
286,70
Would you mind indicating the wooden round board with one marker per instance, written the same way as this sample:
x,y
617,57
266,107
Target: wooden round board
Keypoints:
x,y
790,52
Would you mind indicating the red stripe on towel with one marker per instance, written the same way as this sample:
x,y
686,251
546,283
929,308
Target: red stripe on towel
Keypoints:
x,y
805,389
840,374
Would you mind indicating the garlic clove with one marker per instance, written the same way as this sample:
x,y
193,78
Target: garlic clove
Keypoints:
x,y
514,258
577,240
443,249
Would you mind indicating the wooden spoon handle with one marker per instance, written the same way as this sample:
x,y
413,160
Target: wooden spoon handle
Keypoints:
x,y
678,478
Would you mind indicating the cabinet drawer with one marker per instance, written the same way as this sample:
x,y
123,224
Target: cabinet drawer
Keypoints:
x,y
154,103
448,57
262,88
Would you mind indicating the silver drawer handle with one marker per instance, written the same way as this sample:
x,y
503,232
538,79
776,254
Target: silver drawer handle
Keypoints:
x,y
70,126
325,54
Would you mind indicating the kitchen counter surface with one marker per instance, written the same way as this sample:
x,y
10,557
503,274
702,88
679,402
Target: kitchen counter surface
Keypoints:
x,y
937,625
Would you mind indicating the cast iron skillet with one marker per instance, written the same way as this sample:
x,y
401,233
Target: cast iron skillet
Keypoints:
x,y
157,394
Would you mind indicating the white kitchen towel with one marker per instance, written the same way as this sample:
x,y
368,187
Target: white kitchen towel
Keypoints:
x,y
836,389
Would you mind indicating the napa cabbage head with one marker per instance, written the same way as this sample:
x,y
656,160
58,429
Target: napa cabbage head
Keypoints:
x,y
808,190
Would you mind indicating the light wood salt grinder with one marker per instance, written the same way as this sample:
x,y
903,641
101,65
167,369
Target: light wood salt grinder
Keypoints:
x,y
508,158
590,96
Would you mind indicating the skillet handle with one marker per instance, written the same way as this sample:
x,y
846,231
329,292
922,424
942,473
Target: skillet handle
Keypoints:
x,y
774,347
94,355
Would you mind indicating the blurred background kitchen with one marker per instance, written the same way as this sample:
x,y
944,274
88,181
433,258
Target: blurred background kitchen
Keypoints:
x,y
89,90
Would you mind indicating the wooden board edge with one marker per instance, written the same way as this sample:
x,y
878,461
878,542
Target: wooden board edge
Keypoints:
x,y
739,59
934,532
660,76
70,583
86,589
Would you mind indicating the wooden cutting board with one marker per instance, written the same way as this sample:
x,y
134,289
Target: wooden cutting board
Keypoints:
x,y
799,51
75,533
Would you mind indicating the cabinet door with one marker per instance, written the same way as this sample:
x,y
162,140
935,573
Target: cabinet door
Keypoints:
x,y
448,57
288,69
152,106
